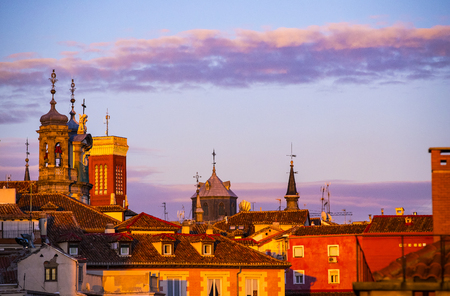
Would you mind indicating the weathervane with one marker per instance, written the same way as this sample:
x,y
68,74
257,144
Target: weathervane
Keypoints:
x,y
197,177
53,80
292,157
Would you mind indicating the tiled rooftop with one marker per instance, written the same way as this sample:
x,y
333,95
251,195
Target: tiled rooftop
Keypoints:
x,y
97,250
293,217
423,265
11,211
329,230
401,223
110,208
21,186
87,217
146,222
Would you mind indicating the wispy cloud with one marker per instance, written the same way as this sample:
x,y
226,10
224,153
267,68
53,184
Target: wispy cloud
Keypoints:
x,y
345,53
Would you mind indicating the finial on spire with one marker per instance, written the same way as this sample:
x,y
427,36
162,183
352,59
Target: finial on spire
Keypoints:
x,y
53,80
107,122
197,177
27,171
214,161
292,156
72,90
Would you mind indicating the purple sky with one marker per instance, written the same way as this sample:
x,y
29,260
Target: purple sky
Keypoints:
x,y
360,90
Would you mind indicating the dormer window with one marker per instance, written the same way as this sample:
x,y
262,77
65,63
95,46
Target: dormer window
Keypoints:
x,y
125,249
73,249
167,249
207,249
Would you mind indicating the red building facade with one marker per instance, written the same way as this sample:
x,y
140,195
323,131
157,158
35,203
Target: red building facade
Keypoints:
x,y
108,171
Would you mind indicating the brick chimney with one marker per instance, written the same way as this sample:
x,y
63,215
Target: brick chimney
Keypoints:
x,y
440,189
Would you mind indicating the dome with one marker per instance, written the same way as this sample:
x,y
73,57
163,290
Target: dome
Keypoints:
x,y
53,117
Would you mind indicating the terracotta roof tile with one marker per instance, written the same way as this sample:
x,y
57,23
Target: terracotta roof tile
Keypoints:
x,y
146,222
88,218
11,211
248,219
109,208
198,228
329,230
423,265
246,242
21,186
97,250
397,223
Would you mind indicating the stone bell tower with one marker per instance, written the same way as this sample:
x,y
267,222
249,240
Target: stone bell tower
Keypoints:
x,y
57,170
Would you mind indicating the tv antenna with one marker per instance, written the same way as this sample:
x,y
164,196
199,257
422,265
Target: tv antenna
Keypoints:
x,y
325,205
279,201
166,214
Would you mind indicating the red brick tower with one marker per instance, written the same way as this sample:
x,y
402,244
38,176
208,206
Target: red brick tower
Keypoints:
x,y
108,171
440,189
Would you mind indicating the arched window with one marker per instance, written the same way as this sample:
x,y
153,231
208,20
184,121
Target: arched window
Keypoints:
x,y
96,179
205,209
106,179
58,155
221,209
46,155
101,180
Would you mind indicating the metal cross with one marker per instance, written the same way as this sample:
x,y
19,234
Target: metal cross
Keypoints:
x,y
214,157
83,105
27,144
291,155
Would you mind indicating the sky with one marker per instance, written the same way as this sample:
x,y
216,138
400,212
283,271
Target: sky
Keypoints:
x,y
357,90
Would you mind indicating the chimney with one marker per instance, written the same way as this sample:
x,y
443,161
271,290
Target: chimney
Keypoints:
x,y
43,224
399,211
370,218
185,227
382,211
110,228
414,213
209,230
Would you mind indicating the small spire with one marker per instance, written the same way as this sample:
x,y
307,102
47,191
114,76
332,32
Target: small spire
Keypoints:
x,y
214,161
27,171
198,207
72,100
292,195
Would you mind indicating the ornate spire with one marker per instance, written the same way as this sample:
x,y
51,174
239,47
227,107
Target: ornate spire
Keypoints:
x,y
27,171
53,117
292,195
198,207
73,123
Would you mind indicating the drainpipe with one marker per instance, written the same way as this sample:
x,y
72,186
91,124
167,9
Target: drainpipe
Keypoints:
x,y
237,280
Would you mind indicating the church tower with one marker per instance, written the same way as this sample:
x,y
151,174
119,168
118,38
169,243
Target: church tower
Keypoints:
x,y
62,154
292,195
216,198
108,170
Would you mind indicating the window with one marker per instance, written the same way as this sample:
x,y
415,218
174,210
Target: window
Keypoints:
x,y
251,287
124,249
333,276
58,155
298,252
73,249
80,273
206,249
221,209
205,209
214,287
173,287
167,249
333,250
51,274
299,277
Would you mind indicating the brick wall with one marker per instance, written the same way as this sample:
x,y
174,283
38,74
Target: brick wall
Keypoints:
x,y
440,189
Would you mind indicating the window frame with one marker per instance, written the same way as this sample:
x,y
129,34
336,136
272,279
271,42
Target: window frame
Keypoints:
x,y
205,247
302,272
330,276
169,252
124,246
252,288
214,284
73,246
301,247
332,246
51,277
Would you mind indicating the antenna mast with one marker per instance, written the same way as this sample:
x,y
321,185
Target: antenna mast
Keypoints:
x,y
166,215
107,122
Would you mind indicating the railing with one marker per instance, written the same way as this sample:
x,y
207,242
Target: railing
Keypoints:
x,y
17,233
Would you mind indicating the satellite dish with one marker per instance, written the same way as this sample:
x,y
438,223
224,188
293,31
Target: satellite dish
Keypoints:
x,y
329,217
323,216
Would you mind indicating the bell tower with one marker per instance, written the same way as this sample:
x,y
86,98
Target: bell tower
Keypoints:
x,y
60,154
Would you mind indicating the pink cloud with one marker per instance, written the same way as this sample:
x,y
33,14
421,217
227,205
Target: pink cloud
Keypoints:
x,y
345,53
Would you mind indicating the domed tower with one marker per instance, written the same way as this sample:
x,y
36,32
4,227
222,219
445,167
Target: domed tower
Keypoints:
x,y
58,172
216,198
